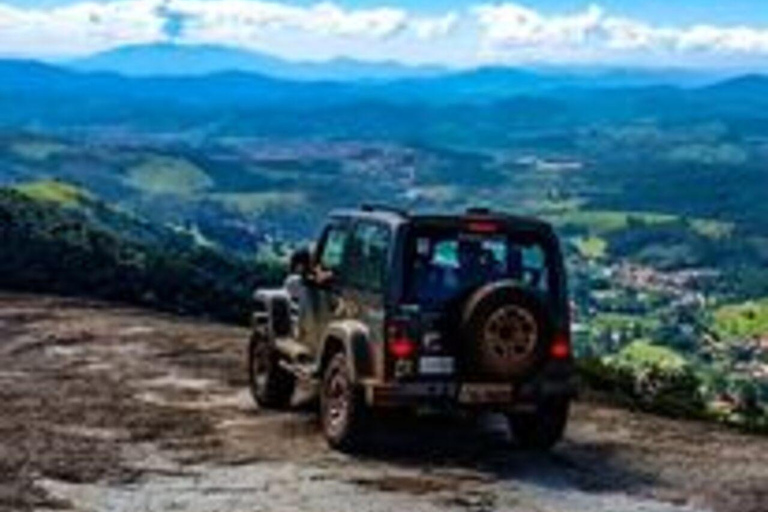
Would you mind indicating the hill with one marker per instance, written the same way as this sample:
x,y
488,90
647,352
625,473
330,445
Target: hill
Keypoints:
x,y
58,238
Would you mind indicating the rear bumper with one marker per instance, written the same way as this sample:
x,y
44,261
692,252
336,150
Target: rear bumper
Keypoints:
x,y
471,395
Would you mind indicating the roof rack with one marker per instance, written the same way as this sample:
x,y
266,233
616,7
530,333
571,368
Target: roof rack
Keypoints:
x,y
372,207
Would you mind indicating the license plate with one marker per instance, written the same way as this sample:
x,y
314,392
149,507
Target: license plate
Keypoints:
x,y
436,365
485,393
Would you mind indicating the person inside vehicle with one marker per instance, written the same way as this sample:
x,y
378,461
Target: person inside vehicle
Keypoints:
x,y
298,268
476,264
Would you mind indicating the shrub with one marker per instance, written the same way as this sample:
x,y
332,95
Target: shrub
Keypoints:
x,y
652,378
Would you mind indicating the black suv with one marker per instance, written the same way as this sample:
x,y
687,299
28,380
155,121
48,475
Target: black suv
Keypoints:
x,y
409,311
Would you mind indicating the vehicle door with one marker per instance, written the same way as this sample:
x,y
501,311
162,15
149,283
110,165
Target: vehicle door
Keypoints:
x,y
324,288
369,256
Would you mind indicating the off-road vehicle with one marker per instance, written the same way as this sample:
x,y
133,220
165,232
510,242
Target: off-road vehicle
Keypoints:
x,y
467,312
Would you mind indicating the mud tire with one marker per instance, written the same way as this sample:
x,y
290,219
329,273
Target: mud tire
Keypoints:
x,y
271,386
342,407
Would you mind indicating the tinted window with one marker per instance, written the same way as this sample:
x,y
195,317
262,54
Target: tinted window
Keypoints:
x,y
369,247
446,264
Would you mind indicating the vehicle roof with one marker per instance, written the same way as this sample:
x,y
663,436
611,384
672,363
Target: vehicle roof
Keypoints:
x,y
393,216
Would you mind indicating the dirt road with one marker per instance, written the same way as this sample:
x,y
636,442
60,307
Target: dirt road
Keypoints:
x,y
110,408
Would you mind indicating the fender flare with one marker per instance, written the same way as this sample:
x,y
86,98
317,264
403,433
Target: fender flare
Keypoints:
x,y
353,337
272,314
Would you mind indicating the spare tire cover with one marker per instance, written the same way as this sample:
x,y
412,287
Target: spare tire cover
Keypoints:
x,y
505,331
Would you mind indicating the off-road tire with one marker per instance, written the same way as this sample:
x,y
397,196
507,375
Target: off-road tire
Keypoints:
x,y
503,299
542,429
342,407
271,385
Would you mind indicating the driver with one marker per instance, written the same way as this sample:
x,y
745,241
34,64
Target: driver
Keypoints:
x,y
476,264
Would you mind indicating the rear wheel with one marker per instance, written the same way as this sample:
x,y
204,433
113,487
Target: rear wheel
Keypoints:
x,y
542,429
342,408
271,386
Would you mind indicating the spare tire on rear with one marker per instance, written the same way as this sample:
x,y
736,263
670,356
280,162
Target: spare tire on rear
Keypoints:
x,y
505,332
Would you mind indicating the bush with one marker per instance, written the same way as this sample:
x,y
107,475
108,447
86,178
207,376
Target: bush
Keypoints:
x,y
652,378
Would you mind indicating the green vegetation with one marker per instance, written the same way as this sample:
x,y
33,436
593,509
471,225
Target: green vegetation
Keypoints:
x,y
48,247
650,377
56,192
168,175
591,247
644,355
602,222
749,319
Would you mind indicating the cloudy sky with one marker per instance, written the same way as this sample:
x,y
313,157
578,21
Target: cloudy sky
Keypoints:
x,y
707,33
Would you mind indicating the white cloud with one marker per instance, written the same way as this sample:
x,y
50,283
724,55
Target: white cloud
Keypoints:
x,y
509,28
480,33
513,25
432,28
77,28
242,17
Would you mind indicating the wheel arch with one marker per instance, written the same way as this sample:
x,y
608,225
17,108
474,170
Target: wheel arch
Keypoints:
x,y
352,338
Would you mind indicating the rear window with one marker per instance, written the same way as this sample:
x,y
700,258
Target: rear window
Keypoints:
x,y
447,264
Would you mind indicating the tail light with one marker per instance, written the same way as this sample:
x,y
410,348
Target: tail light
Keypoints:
x,y
561,346
399,344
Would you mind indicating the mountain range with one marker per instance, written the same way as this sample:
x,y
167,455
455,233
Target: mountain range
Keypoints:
x,y
169,59
37,95
174,60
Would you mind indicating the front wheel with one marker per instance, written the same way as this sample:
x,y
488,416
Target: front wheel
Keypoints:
x,y
342,408
542,429
271,386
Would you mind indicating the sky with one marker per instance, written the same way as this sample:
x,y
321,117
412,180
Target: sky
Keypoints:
x,y
459,33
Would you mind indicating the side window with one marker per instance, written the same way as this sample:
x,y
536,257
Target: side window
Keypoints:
x,y
369,248
332,251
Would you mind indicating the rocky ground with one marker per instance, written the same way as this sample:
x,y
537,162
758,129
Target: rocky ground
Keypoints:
x,y
110,408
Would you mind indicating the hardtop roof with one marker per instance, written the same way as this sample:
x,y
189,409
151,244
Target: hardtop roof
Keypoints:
x,y
393,216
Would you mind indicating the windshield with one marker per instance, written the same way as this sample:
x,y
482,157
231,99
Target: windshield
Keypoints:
x,y
447,264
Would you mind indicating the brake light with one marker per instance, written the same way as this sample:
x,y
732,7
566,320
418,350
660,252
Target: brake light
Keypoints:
x,y
483,227
561,347
400,345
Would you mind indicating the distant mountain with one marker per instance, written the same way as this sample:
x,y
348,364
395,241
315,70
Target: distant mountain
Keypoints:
x,y
30,77
745,96
167,59
754,86
38,96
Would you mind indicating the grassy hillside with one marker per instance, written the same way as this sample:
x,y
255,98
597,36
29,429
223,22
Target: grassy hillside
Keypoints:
x,y
58,238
